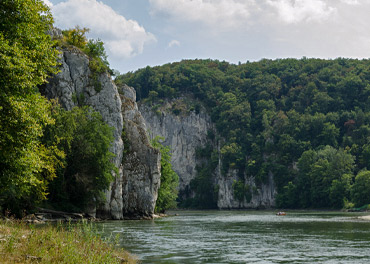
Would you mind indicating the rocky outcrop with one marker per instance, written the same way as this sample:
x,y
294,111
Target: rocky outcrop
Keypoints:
x,y
77,85
141,162
187,131
73,86
262,196
183,133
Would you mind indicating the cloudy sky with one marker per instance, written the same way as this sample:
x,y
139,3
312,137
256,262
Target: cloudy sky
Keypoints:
x,y
137,33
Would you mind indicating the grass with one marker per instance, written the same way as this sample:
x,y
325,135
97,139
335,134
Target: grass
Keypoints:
x,y
24,243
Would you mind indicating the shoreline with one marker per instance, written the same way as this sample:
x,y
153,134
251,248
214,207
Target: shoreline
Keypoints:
x,y
23,243
364,217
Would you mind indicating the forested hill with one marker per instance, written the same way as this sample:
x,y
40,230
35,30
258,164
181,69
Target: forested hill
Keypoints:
x,y
306,121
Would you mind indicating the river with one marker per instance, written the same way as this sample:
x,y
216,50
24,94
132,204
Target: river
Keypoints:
x,y
245,237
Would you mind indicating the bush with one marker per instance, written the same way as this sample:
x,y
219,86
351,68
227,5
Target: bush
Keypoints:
x,y
76,36
85,139
167,193
93,48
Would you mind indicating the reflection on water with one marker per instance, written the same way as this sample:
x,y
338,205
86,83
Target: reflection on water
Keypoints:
x,y
246,237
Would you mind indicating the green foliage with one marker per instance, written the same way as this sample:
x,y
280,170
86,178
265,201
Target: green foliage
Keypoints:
x,y
87,168
323,180
98,62
361,188
27,57
76,37
339,191
272,113
167,193
241,191
203,187
204,192
287,197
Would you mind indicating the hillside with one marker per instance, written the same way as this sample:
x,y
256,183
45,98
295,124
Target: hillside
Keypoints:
x,y
304,122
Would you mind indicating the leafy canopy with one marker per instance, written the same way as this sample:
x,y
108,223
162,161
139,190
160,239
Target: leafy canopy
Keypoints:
x,y
27,57
87,167
271,114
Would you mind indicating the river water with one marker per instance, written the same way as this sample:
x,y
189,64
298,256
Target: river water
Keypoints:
x,y
245,237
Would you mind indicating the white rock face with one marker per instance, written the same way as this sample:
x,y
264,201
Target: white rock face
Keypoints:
x,y
263,197
184,133
73,86
141,162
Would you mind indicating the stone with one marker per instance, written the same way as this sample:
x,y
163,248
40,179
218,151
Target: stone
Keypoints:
x,y
182,133
186,132
73,86
141,162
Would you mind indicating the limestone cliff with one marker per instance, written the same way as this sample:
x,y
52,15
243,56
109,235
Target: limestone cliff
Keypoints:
x,y
185,132
141,162
262,196
134,190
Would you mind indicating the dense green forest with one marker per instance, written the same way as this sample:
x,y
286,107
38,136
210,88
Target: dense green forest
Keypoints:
x,y
307,121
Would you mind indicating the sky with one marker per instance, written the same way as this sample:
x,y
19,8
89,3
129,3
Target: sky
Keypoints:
x,y
138,33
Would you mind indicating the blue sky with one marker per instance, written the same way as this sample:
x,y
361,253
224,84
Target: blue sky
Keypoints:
x,y
138,33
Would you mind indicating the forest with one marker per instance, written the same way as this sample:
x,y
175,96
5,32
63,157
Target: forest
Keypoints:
x,y
304,120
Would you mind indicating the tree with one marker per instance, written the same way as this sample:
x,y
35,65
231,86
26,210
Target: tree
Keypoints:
x,y
27,57
324,177
76,37
241,191
167,193
361,188
340,191
87,167
287,198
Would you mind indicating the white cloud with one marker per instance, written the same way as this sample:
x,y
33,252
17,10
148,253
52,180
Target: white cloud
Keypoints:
x,y
350,2
293,11
48,3
173,43
122,37
226,14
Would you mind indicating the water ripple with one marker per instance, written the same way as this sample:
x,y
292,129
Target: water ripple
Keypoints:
x,y
246,237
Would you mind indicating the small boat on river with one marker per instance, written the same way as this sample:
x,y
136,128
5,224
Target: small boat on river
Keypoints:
x,y
281,213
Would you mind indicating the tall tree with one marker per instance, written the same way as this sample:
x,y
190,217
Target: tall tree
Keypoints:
x,y
27,56
87,168
361,188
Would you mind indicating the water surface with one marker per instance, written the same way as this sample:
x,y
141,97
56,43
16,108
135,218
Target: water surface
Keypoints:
x,y
246,237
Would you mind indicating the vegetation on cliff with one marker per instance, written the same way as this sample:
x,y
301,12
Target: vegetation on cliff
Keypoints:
x,y
167,193
306,121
